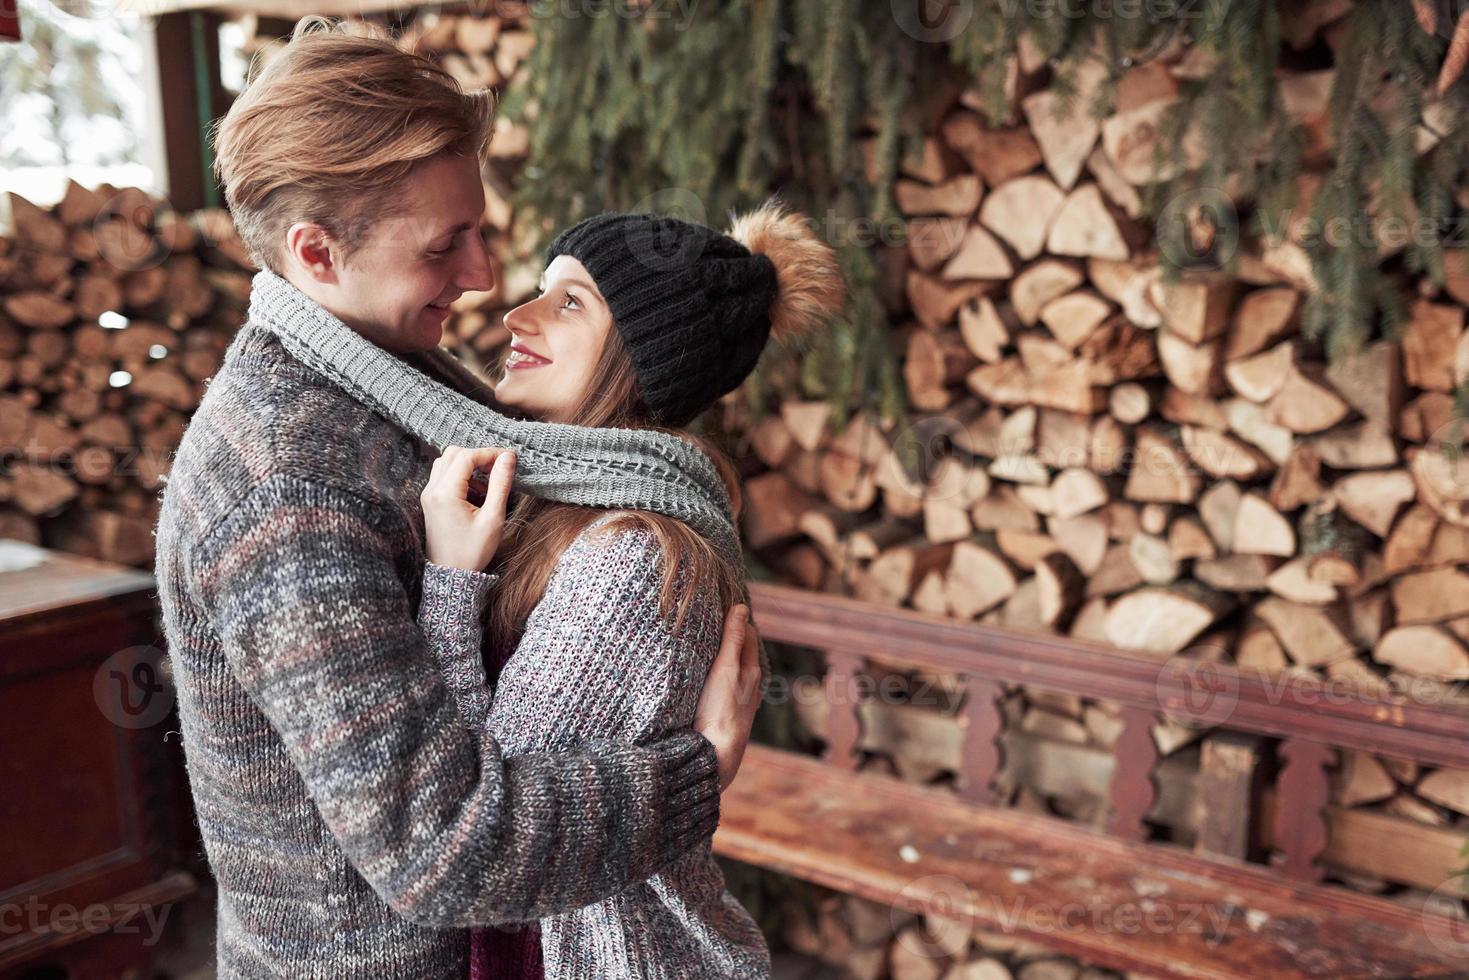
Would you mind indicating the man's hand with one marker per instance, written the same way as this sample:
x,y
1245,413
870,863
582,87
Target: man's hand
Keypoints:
x,y
731,694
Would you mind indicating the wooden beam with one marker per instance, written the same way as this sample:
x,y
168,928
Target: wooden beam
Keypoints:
x,y
192,96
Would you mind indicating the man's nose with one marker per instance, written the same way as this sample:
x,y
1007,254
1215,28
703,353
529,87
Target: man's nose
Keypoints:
x,y
477,274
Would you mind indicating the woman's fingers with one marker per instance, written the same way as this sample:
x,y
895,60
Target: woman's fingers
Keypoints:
x,y
460,463
497,493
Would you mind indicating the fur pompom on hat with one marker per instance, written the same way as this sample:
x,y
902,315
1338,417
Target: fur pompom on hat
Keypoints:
x,y
694,306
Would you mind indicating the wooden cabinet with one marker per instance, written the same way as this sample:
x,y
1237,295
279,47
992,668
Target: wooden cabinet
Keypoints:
x,y
93,817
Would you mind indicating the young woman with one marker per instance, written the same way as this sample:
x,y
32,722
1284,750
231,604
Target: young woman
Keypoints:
x,y
642,322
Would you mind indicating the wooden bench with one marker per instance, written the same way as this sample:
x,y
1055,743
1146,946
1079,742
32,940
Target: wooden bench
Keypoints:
x,y
1114,899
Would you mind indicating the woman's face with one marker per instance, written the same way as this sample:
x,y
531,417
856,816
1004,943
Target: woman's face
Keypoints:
x,y
556,341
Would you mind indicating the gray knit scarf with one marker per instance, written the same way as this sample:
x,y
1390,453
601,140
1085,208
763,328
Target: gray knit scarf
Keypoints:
x,y
623,468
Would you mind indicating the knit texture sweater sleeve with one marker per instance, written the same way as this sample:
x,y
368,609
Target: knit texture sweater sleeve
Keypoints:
x,y
451,616
300,580
599,659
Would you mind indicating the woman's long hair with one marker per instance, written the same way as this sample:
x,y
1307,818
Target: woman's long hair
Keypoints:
x,y
538,531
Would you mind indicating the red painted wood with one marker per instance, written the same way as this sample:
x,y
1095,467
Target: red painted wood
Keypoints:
x,y
1303,790
1132,793
981,752
1284,707
843,728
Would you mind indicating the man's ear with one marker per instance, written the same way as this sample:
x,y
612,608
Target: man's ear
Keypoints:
x,y
310,250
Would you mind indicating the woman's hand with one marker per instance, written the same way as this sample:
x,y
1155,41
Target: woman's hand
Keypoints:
x,y
731,694
461,534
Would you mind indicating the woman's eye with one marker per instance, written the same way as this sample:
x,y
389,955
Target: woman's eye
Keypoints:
x,y
571,302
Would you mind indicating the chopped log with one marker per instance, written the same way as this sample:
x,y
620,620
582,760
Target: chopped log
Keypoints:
x,y
1195,307
1188,539
1217,507
1362,780
1447,787
955,480
894,574
1423,651
1220,455
1084,225
870,540
945,520
1063,126
1371,381
1182,408
1442,481
773,507
1003,508
1248,420
806,422
39,311
1305,403
1077,491
1293,581
1260,377
1083,539
772,441
1428,343
1129,402
935,301
1192,368
1005,383
1068,387
1118,191
1431,596
1039,283
1407,546
1312,636
1262,318
1129,284
996,154
1298,481
1364,445
936,362
1153,559
847,482
1235,573
1024,548
1115,574
1020,211
1107,445
984,329
1062,438
1259,529
1372,499
104,535
957,197
1160,472
1163,620
979,256
977,580
1153,518
931,241
40,490
1074,317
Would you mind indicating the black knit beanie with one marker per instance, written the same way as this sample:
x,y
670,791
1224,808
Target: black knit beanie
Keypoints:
x,y
692,305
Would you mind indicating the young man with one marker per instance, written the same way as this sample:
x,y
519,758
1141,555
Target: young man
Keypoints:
x,y
351,819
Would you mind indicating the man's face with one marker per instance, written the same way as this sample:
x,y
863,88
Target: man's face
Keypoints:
x,y
395,289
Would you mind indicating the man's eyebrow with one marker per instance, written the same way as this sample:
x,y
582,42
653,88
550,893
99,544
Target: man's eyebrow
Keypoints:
x,y
461,226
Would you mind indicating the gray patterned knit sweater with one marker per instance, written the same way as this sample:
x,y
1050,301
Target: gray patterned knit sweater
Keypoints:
x,y
598,660
350,818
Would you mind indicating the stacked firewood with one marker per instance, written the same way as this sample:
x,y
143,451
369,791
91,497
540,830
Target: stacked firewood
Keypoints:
x,y
113,312
868,941
1101,446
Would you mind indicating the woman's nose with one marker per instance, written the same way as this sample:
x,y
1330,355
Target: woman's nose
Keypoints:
x,y
522,319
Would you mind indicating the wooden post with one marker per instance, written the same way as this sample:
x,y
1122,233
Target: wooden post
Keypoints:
x,y
192,96
1225,800
1302,791
9,21
1132,792
842,727
981,754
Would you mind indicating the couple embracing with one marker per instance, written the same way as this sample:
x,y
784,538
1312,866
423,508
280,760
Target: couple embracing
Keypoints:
x,y
463,673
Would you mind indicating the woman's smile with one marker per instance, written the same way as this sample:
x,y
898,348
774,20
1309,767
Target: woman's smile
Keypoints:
x,y
521,359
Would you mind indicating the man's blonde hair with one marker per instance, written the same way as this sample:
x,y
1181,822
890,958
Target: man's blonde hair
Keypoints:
x,y
331,127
